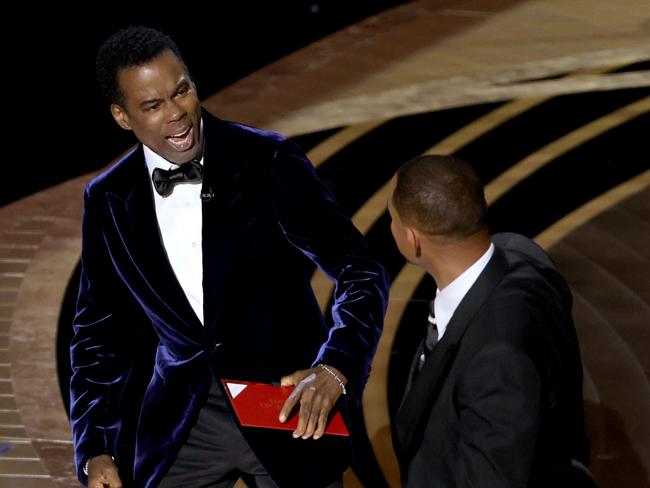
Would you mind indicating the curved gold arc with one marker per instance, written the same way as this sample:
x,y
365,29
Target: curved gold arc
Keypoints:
x,y
533,162
560,229
333,144
375,405
375,206
374,399
320,283
375,402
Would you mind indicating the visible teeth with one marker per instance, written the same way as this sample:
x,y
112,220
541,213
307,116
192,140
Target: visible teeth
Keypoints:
x,y
181,141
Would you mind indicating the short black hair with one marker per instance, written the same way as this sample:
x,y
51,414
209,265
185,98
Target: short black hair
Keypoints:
x,y
133,46
440,196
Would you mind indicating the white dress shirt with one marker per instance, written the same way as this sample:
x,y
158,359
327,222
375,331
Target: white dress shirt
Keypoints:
x,y
448,299
180,220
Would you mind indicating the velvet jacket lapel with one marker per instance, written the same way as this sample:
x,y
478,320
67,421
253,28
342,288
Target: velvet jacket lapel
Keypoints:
x,y
423,390
223,216
133,210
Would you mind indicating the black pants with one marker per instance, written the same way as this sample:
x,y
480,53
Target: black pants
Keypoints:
x,y
216,454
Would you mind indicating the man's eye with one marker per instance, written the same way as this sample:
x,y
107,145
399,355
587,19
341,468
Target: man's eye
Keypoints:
x,y
153,107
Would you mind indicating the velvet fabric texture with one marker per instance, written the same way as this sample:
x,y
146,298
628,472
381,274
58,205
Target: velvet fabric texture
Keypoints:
x,y
269,218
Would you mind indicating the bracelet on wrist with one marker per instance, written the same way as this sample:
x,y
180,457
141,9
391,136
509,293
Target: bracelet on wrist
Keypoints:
x,y
336,377
87,463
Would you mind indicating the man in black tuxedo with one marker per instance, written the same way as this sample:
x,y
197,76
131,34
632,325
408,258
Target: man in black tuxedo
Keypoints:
x,y
209,229
494,396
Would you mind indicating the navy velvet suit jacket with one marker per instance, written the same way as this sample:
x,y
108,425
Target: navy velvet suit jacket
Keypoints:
x,y
498,402
268,215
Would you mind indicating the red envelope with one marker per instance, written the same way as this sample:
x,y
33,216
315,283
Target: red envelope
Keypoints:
x,y
259,405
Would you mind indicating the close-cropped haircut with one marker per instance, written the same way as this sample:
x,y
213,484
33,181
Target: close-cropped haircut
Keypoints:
x,y
133,46
440,196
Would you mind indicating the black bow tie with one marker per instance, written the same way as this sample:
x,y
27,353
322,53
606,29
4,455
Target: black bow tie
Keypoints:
x,y
164,181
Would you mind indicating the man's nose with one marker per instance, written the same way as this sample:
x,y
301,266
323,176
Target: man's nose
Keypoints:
x,y
176,111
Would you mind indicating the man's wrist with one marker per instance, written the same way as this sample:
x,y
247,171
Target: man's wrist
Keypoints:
x,y
340,381
87,463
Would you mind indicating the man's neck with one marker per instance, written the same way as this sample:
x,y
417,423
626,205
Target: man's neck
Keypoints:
x,y
446,261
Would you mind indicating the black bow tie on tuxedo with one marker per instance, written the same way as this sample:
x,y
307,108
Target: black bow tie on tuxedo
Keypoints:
x,y
164,181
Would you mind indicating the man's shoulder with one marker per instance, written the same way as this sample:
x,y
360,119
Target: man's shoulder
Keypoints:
x,y
239,140
527,285
254,133
119,173
243,135
517,245
528,298
530,269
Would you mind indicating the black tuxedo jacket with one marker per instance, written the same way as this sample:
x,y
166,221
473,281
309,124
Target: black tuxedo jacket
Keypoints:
x,y
268,215
498,402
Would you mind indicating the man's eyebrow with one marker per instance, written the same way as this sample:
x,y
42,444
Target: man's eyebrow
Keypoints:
x,y
183,83
150,101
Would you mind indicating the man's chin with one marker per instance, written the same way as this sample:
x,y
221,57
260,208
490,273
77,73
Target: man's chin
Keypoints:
x,y
181,157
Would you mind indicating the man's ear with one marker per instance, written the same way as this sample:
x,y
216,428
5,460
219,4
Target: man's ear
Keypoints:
x,y
413,236
120,116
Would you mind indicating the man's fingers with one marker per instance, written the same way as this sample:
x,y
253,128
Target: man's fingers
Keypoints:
x,y
304,414
322,423
112,478
102,473
322,419
312,419
315,416
296,394
294,378
288,380
289,403
317,392
302,422
108,479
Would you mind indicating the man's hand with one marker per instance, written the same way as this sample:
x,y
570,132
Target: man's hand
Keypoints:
x,y
102,473
317,391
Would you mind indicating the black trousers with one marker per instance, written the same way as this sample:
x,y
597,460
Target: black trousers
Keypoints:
x,y
216,454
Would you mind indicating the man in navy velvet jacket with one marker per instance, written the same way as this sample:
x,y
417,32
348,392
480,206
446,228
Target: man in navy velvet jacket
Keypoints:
x,y
218,265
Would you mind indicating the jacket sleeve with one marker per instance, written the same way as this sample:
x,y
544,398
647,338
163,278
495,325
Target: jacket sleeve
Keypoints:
x,y
100,352
313,222
498,402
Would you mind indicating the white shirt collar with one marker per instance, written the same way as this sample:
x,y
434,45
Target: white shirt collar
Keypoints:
x,y
155,160
448,299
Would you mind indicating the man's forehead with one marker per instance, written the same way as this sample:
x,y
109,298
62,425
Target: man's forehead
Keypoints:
x,y
165,61
149,80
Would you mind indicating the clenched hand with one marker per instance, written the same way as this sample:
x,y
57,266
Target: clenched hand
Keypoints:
x,y
102,473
